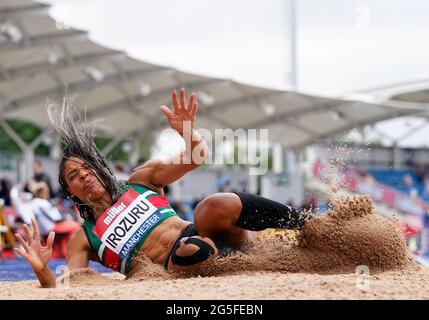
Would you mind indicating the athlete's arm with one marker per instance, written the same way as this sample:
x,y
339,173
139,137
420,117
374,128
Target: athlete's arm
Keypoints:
x,y
38,256
78,251
159,173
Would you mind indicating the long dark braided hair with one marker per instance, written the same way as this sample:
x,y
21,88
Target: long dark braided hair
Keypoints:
x,y
79,142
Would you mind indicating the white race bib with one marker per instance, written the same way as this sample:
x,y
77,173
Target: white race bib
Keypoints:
x,y
128,221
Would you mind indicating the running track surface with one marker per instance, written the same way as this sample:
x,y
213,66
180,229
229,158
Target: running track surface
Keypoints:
x,y
19,269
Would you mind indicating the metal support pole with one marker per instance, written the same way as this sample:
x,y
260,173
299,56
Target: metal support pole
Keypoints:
x,y
109,148
28,164
396,156
293,44
56,148
277,158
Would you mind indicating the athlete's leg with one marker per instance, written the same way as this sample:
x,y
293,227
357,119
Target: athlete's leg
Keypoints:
x,y
227,216
215,216
231,214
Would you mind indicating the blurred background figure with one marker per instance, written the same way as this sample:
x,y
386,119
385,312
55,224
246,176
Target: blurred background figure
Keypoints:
x,y
5,186
425,233
184,210
410,187
48,217
40,176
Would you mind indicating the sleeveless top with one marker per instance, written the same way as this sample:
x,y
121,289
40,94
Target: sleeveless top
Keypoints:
x,y
108,257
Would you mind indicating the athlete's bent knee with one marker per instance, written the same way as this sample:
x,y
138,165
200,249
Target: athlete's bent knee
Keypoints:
x,y
206,249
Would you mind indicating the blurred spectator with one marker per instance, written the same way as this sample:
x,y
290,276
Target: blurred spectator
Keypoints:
x,y
48,217
425,232
45,213
5,186
40,176
167,190
409,157
182,210
420,171
67,209
369,178
196,201
409,184
426,186
19,201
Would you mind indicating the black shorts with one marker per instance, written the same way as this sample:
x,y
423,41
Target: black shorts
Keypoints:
x,y
223,246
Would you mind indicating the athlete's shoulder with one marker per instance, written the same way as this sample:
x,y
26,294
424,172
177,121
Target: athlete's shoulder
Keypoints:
x,y
144,173
134,181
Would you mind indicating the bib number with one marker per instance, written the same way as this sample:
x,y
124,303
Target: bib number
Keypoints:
x,y
128,221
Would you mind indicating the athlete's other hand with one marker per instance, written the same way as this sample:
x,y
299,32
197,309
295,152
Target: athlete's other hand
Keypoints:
x,y
36,255
183,117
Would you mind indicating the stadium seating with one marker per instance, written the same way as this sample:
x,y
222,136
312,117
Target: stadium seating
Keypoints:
x,y
395,179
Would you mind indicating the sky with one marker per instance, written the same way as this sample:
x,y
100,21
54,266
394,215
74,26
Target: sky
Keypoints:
x,y
343,46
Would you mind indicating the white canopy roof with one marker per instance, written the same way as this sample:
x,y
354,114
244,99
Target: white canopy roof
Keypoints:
x,y
39,56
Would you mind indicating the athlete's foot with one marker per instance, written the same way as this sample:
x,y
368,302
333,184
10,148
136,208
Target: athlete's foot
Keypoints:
x,y
301,219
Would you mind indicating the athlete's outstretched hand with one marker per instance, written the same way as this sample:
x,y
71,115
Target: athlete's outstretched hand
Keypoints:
x,y
36,255
184,115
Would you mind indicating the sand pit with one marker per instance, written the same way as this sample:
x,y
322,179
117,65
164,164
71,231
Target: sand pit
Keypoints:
x,y
320,263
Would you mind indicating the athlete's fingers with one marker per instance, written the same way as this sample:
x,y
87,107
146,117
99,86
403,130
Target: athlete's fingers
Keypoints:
x,y
175,101
36,230
28,233
195,109
50,240
191,103
166,111
182,98
21,253
23,242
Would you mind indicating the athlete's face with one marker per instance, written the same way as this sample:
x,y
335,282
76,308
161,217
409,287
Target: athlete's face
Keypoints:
x,y
82,181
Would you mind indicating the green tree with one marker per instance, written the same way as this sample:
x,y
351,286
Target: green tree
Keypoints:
x,y
27,132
